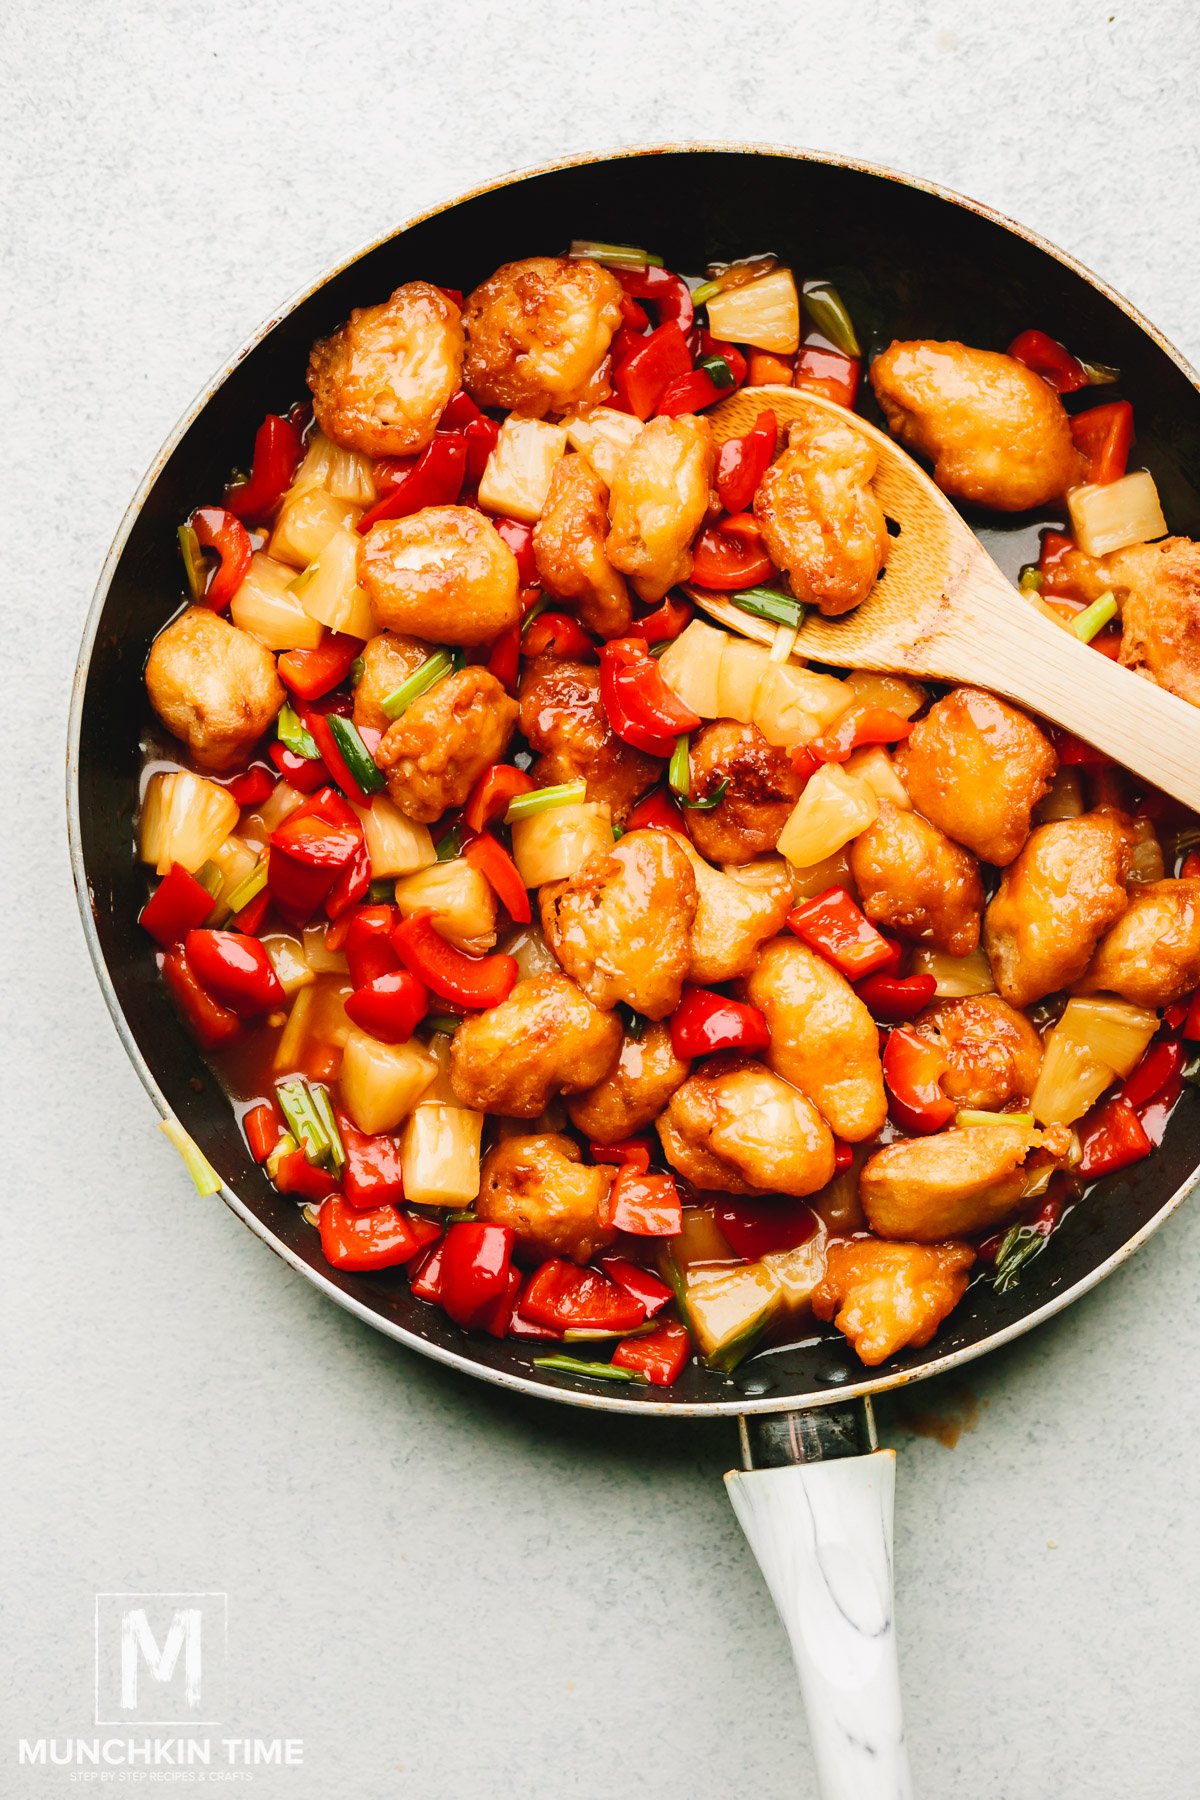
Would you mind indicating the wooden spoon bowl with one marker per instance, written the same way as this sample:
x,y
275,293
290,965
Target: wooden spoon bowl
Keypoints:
x,y
943,609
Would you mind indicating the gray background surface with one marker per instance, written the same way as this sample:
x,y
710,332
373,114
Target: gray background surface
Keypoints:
x,y
448,1595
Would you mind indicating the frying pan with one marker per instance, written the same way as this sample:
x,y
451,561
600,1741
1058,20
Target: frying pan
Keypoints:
x,y
912,260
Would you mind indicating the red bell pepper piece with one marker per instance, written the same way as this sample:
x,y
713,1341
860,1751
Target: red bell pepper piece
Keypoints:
x,y
1049,359
567,1298
252,916
311,673
178,904
365,1240
497,1321
557,634
657,812
263,1130
501,874
1175,1016
236,970
639,1203
426,1278
643,377
913,1068
704,1021
1191,1024
825,371
1105,436
1056,547
519,538
663,624
252,788
641,708
631,1153
304,773
350,887
476,1260
368,944
460,410
1074,753
668,294
480,436
729,556
504,661
703,344
896,998
632,315
316,840
372,1176
218,530
838,929
743,461
489,798
277,453
469,981
294,1174
653,1293
689,393
317,725
308,851
843,1156
435,479
1114,1138
211,1024
660,1356
755,1228
1153,1074
875,725
390,1007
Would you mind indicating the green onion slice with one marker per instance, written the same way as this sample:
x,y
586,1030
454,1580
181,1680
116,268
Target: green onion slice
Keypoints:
x,y
304,1121
293,736
356,671
418,683
248,886
679,769
461,1218
768,603
539,606
614,256
1094,618
445,1023
448,847
194,1160
1019,1245
1100,374
595,1335
1030,579
564,793
717,370
827,310
712,802
596,1371
210,879
193,562
357,757
324,1111
381,892
704,292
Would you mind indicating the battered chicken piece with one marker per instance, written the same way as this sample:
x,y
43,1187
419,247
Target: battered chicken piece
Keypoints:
x,y
976,767
993,1053
913,880
660,493
443,573
762,789
970,1178
736,1128
635,1090
540,1187
568,546
1151,956
547,1038
823,1039
889,1297
821,519
1056,902
996,433
1158,589
381,383
563,720
213,686
388,659
733,918
435,751
538,332
622,927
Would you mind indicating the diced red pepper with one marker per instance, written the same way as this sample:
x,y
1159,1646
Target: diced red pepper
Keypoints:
x,y
1175,1016
653,1293
1154,1073
350,888
504,659
567,1298
704,1022
519,538
311,673
668,294
557,634
836,927
913,1068
372,1176
644,376
294,1174
855,729
426,1281
317,841
660,1356
689,393
469,981
1049,359
365,1240
263,1130
178,904
634,316
1105,436
1112,1139
703,345
253,915
1191,1024
476,1259
219,530
277,452
663,624
497,1322
435,479
804,763
501,874
317,725
489,798
252,788
729,555
755,1228
896,998
825,371
304,773
211,1024
641,708
460,410
236,970
743,461
642,1204
843,1156
657,812
368,944
1074,753
308,852
390,1007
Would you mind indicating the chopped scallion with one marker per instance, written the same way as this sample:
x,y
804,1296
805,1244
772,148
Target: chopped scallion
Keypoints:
x,y
1094,618
595,1371
293,736
679,769
1099,374
564,793
210,879
1030,580
450,846
461,1218
194,1160
458,657
711,801
304,579
381,892
357,757
717,370
827,310
768,603
356,671
539,606
324,1110
783,643
614,256
704,292
445,1023
969,1115
1019,1245
248,886
419,682
193,562
296,1104
586,1334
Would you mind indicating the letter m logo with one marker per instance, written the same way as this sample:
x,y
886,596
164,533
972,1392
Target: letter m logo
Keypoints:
x,y
160,1658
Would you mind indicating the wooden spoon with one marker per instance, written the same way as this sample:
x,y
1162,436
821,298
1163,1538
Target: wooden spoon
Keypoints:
x,y
943,609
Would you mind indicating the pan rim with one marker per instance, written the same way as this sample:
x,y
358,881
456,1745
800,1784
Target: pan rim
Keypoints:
x,y
465,1364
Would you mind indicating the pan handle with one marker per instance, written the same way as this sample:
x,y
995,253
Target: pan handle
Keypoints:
x,y
818,1515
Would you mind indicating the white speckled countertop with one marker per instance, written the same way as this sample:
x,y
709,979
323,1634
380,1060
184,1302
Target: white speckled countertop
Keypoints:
x,y
446,1594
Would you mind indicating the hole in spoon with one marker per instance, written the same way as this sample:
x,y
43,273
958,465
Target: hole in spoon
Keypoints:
x,y
893,526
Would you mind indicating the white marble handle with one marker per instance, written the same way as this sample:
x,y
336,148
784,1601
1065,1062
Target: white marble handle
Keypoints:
x,y
822,1533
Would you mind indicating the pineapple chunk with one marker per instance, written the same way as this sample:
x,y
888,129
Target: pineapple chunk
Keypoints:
x,y
439,1155
764,313
266,607
889,693
956,976
396,845
346,474
874,766
1115,514
793,705
603,436
1096,1041
235,858
691,667
552,845
381,1083
798,1272
305,525
460,898
329,590
185,819
729,1310
819,877
833,808
517,477
289,961
743,666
